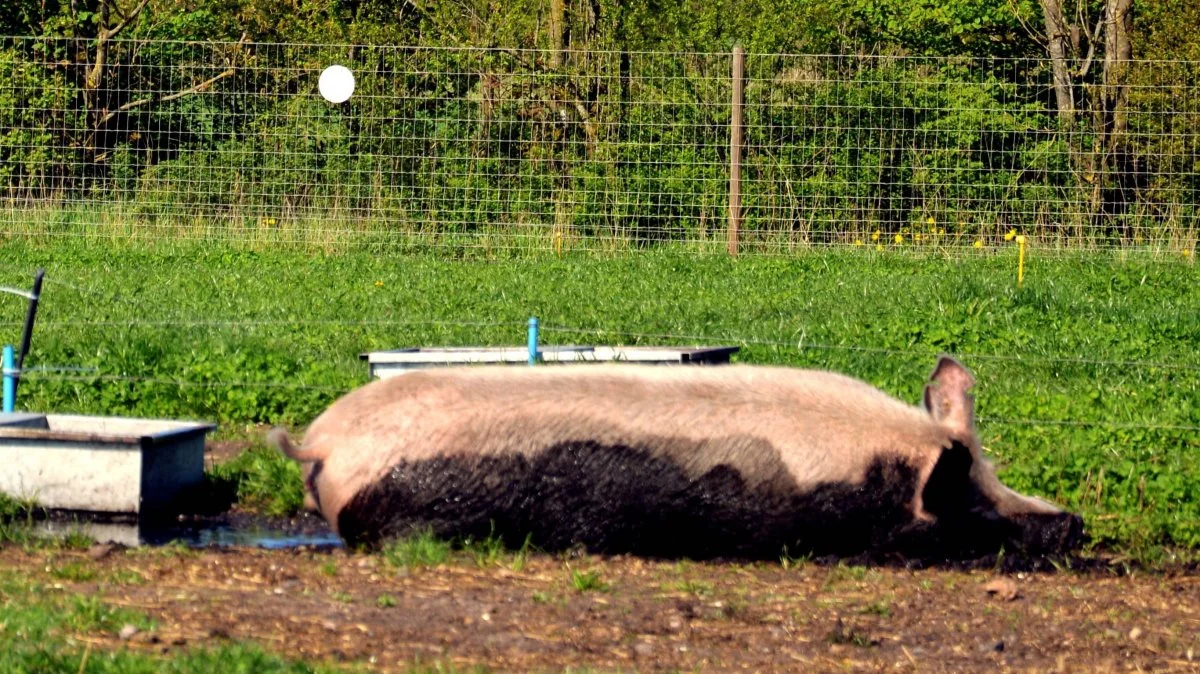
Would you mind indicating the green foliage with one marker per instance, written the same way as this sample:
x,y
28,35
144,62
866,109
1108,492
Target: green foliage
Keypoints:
x,y
264,480
13,509
36,103
977,27
463,148
616,142
15,516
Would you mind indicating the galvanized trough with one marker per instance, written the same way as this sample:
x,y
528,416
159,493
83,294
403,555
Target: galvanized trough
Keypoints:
x,y
384,364
99,464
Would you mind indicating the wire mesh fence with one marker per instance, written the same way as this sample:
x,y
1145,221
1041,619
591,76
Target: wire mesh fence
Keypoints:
x,y
537,150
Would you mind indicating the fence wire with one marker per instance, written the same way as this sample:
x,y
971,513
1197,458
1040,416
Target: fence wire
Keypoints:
x,y
510,149
53,375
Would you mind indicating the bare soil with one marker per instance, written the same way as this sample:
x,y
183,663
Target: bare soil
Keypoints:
x,y
334,605
219,451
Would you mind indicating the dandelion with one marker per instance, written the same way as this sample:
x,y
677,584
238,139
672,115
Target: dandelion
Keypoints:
x,y
879,246
930,221
941,232
875,235
858,242
1186,253
978,243
1010,235
379,284
899,238
917,237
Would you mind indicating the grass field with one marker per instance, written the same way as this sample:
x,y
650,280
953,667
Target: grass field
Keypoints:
x,y
1088,374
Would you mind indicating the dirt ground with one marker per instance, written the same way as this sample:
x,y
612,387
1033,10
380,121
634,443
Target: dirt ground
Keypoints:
x,y
332,605
526,614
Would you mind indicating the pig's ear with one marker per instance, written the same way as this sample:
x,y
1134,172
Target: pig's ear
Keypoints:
x,y
947,397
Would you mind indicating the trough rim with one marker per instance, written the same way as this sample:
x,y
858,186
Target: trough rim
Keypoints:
x,y
185,428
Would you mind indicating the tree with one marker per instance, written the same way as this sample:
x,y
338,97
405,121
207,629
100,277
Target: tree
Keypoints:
x,y
1106,169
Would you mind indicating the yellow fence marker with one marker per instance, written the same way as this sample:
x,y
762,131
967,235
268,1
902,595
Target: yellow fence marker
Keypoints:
x,y
1020,259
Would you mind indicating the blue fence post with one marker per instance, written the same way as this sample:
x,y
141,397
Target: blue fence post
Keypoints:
x,y
533,341
10,380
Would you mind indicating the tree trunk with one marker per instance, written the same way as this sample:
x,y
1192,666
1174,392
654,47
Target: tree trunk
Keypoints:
x,y
1118,161
1118,52
1058,35
94,93
560,32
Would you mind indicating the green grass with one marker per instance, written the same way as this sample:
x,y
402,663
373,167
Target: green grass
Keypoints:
x,y
15,517
75,572
586,581
879,608
425,549
698,588
420,550
263,479
1089,374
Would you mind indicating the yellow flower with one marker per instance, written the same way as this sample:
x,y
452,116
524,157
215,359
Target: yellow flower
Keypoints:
x,y
379,284
1187,253
978,243
1010,235
899,239
858,242
917,237
941,232
875,236
930,221
270,222
879,246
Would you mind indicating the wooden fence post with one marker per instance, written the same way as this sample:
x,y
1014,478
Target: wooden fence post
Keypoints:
x,y
735,148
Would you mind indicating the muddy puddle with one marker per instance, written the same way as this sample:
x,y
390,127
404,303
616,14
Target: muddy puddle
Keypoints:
x,y
225,530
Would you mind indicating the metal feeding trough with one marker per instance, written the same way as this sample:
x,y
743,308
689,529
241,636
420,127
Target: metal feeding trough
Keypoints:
x,y
384,364
99,464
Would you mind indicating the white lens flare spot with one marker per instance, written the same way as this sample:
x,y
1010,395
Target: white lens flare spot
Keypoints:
x,y
336,84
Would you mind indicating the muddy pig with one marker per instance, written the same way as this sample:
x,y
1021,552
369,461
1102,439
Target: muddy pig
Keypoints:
x,y
700,462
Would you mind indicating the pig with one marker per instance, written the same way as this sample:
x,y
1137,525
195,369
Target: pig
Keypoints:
x,y
732,461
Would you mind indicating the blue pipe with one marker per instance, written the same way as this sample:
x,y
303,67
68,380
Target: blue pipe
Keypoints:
x,y
533,341
10,380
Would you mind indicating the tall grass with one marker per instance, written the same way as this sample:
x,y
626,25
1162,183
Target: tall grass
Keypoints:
x,y
342,233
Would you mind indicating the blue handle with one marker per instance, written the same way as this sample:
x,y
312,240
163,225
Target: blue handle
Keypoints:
x,y
10,380
533,341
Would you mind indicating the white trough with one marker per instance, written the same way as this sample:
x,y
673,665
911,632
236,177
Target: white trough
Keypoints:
x,y
384,364
101,464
